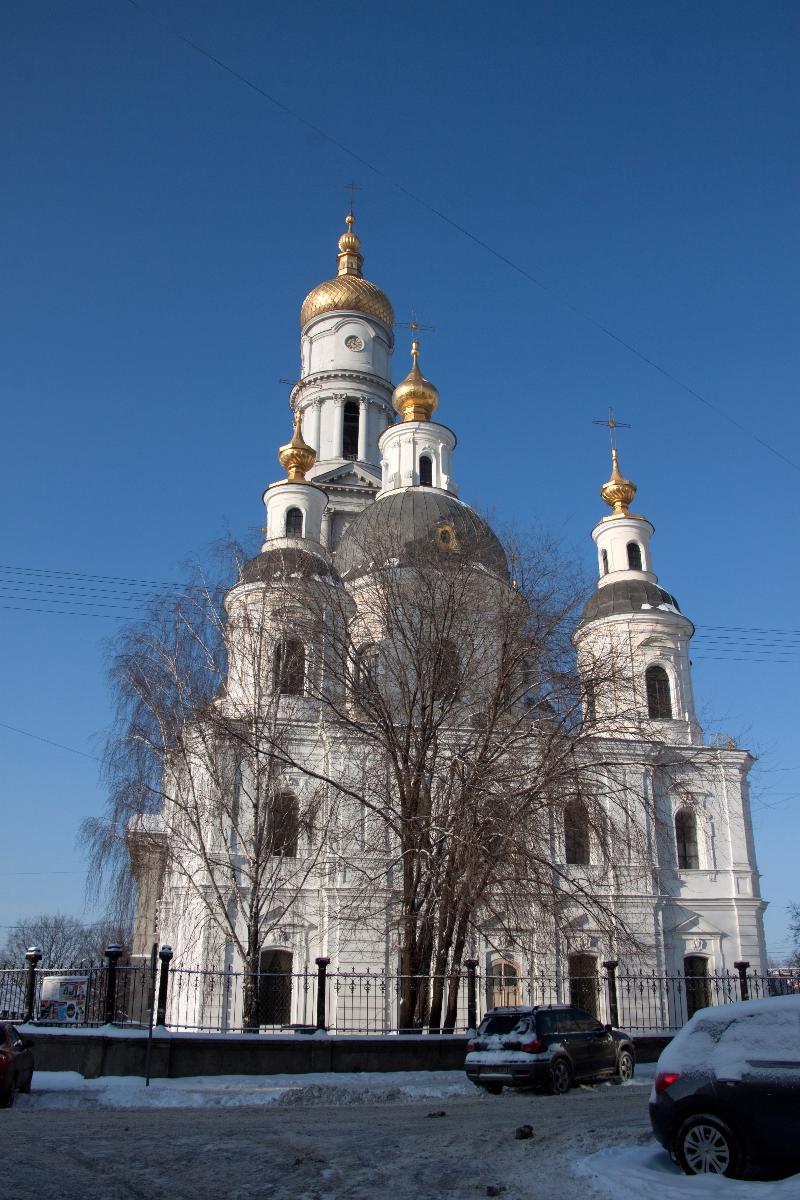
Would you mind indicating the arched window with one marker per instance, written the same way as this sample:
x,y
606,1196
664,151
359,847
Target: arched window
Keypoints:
x,y
686,840
584,985
590,701
445,671
294,522
283,823
659,699
352,413
425,471
634,556
289,667
604,561
576,833
366,673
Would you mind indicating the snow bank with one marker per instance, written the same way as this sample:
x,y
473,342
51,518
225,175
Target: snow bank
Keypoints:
x,y
633,1171
67,1089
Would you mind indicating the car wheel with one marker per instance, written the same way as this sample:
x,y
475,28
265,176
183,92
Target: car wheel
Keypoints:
x,y
560,1077
705,1145
625,1066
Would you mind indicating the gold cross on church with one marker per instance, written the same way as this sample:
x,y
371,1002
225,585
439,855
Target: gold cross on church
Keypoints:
x,y
612,426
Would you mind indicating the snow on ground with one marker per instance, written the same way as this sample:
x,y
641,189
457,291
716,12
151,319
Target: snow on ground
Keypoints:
x,y
631,1171
68,1089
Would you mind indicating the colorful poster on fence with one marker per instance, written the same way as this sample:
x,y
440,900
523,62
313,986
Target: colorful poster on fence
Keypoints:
x,y
63,998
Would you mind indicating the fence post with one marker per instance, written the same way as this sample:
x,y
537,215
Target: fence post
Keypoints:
x,y
472,1006
112,953
613,1007
741,967
322,968
33,956
165,954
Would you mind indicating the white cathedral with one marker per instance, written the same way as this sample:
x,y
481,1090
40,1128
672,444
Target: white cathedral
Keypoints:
x,y
354,468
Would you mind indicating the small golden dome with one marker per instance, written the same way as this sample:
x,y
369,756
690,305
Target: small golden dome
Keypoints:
x,y
349,291
618,492
416,397
296,457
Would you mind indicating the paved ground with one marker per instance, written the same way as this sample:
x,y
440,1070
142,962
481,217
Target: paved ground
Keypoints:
x,y
317,1151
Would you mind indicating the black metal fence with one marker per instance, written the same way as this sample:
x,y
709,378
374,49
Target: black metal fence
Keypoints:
x,y
354,1002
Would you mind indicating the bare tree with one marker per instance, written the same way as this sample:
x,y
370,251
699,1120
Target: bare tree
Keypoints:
x,y
206,714
454,763
794,929
63,940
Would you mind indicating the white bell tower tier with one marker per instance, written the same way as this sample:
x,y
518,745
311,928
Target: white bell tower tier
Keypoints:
x,y
418,452
632,639
295,507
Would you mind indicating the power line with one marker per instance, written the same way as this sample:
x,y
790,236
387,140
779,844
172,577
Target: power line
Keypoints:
x,y
37,737
465,232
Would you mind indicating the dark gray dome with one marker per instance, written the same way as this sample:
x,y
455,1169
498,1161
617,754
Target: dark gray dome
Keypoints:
x,y
625,596
287,564
414,518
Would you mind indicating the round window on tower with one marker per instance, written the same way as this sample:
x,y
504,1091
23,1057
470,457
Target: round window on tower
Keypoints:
x,y
354,342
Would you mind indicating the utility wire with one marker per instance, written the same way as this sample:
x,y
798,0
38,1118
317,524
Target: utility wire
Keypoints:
x,y
465,232
37,737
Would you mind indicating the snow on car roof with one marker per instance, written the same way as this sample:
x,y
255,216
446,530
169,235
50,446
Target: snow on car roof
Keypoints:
x,y
731,1039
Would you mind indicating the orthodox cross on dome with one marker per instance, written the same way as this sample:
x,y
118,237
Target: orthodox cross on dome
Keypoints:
x,y
352,188
612,426
415,325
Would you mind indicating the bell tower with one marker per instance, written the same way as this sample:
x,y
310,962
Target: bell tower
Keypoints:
x,y
632,639
344,393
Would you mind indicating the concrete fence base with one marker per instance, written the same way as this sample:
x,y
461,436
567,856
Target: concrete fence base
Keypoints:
x,y
95,1053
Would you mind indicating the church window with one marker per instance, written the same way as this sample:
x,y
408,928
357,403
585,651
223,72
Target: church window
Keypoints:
x,y
282,825
425,471
634,556
352,415
686,840
659,699
294,522
366,673
604,561
445,670
590,704
289,667
576,833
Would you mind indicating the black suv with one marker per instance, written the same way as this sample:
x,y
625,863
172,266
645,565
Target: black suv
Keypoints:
x,y
727,1088
547,1045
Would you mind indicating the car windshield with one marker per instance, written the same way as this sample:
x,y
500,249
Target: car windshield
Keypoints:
x,y
510,1022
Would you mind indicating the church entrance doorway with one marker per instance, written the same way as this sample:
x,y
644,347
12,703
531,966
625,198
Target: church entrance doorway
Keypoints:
x,y
584,987
275,987
698,987
503,984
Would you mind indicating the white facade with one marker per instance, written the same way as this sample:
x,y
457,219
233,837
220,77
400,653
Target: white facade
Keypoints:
x,y
695,896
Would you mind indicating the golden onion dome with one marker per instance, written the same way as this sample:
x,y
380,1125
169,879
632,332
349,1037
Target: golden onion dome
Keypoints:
x,y
349,291
618,492
296,457
416,397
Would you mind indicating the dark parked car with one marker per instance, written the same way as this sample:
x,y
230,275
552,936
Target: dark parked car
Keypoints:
x,y
547,1045
16,1063
727,1089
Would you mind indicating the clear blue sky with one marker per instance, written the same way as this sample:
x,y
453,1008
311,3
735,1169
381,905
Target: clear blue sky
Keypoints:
x,y
160,223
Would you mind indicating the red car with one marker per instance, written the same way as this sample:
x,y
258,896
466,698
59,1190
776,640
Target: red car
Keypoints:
x,y
16,1063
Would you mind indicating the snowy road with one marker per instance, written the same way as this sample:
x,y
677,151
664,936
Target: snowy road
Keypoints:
x,y
361,1137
